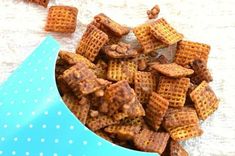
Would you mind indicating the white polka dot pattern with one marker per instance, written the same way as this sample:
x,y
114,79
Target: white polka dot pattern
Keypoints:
x,y
37,122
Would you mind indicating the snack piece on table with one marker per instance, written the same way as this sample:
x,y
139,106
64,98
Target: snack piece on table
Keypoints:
x,y
188,51
148,42
164,32
120,50
156,109
40,2
174,90
201,73
92,41
185,132
153,13
172,70
62,19
101,20
119,69
176,149
150,141
205,100
176,117
145,83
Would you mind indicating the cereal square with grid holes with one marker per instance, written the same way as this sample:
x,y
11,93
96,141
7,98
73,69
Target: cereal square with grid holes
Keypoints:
x,y
174,90
148,42
145,84
188,51
81,79
205,100
40,2
62,19
92,41
164,32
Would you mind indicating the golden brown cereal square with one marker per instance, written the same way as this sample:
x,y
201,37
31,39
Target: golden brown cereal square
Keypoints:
x,y
156,109
145,83
81,79
188,51
111,25
104,135
172,70
78,109
40,2
201,73
176,117
121,70
205,100
123,132
118,94
92,41
174,90
62,19
100,122
133,109
72,59
176,149
148,42
164,32
150,141
185,132
62,85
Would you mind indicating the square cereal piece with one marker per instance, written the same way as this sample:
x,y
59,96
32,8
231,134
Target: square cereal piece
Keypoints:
x,y
176,117
150,141
205,100
123,132
40,2
133,109
118,94
111,25
81,79
72,59
174,90
80,110
176,149
164,32
188,51
148,42
121,70
62,19
100,122
201,72
172,70
145,84
156,109
185,132
91,43
103,135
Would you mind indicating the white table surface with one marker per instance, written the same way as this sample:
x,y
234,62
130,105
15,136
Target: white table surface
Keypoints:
x,y
208,21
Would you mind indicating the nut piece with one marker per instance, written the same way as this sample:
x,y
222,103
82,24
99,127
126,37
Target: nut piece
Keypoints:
x,y
120,50
153,13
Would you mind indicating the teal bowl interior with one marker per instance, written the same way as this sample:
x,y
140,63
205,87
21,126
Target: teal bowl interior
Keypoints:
x,y
34,119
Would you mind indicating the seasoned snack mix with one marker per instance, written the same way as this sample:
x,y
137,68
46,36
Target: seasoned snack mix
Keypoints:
x,y
62,19
130,95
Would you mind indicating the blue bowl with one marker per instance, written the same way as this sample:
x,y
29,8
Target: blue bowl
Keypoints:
x,y
34,119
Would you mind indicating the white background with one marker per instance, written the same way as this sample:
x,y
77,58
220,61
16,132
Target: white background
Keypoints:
x,y
208,21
